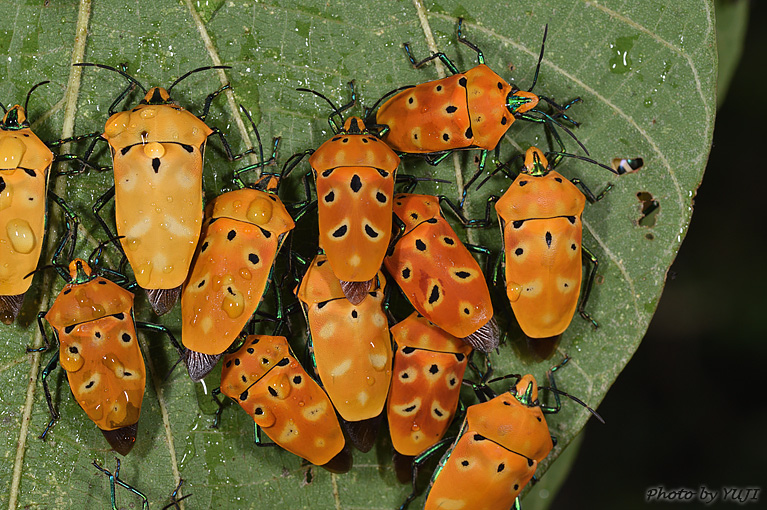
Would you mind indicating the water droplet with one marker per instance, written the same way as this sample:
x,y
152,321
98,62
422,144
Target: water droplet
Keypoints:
x,y
620,61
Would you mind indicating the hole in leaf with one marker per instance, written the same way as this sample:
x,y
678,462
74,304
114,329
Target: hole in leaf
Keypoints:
x,y
650,209
627,165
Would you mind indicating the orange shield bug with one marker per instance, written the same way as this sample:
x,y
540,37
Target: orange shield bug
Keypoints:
x,y
426,381
438,274
540,220
269,383
354,175
469,110
498,448
157,150
25,162
242,234
350,344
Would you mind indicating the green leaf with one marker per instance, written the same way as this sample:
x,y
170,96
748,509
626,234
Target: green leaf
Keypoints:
x,y
646,72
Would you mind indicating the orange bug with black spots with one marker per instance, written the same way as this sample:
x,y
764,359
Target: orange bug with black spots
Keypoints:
x,y
157,149
468,110
354,174
350,347
540,220
94,325
498,448
437,273
429,364
242,234
265,379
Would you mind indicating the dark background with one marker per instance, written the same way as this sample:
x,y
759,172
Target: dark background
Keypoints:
x,y
688,410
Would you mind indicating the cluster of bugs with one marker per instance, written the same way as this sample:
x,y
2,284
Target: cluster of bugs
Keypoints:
x,y
376,244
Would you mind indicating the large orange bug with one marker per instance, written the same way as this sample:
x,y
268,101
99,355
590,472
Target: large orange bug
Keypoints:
x,y
354,175
438,274
426,381
468,110
264,377
25,163
498,448
350,346
157,150
242,233
540,220
94,326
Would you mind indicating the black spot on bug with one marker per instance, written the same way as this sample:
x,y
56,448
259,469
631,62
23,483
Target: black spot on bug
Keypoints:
x,y
439,88
571,219
320,306
462,81
500,86
265,233
258,411
67,291
327,172
243,378
469,133
519,251
188,148
345,140
127,374
414,216
415,136
244,396
448,241
438,412
433,369
466,311
506,403
297,379
381,197
204,246
264,361
462,274
356,183
283,362
530,462
253,258
156,164
406,273
125,150
73,350
445,137
30,172
2,185
573,247
410,100
538,418
365,140
383,173
90,385
228,363
522,183
420,245
119,316
231,235
68,329
354,314
434,295
201,284
404,376
126,337
237,362
548,239
459,356
372,138
501,467
230,291
370,232
558,179
250,350
479,437
102,282
409,409
464,463
452,381
432,220
504,121
255,341
451,109
340,231
517,223
330,197
516,486
335,139
408,350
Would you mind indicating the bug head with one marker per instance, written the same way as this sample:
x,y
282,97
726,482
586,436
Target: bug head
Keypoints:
x,y
521,101
156,96
79,271
535,163
16,117
526,391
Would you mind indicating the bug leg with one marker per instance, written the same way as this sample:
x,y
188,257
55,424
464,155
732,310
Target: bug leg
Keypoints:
x,y
209,100
462,39
159,328
174,501
48,399
471,223
589,257
46,342
115,479
100,203
84,159
258,440
419,460
589,194
418,64
215,395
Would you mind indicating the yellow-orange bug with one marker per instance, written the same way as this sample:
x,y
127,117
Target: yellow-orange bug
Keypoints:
x,y
438,274
157,150
426,381
351,346
269,383
25,163
243,231
540,220
469,110
354,175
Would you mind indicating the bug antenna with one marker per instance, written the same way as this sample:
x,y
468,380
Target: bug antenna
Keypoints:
x,y
26,103
258,136
205,68
47,266
575,399
125,75
506,167
335,108
96,253
3,107
582,158
548,119
540,58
